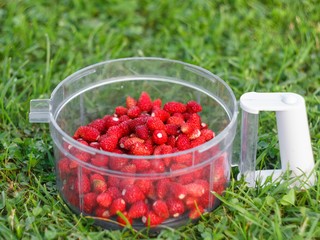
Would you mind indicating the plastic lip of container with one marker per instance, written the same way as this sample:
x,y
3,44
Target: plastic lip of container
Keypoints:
x,y
69,106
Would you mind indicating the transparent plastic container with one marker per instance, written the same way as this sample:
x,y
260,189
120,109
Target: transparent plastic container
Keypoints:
x,y
95,91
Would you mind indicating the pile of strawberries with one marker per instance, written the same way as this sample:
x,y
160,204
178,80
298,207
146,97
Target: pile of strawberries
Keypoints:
x,y
142,128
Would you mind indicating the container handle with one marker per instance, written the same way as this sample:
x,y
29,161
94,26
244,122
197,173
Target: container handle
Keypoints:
x,y
293,134
39,111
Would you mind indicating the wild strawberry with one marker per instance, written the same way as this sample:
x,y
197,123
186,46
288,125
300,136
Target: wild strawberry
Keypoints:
x,y
204,125
102,212
155,123
113,181
124,118
82,184
195,120
98,124
191,202
157,103
89,202
119,130
177,166
141,164
82,155
196,212
140,149
185,159
63,167
130,102
114,192
109,143
129,168
195,189
160,208
173,107
100,160
110,121
124,220
117,205
159,137
98,183
145,102
157,165
122,141
120,111
125,182
193,107
151,194
183,142
161,114
104,199
172,129
175,207
138,209
134,112
95,145
204,184
175,120
186,178
178,190
162,188
207,134
198,141
87,133
132,194
171,141
204,200
151,219
187,128
195,134
137,121
117,163
131,141
144,185
142,132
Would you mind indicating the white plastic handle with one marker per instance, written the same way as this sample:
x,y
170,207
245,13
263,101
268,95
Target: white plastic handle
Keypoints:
x,y
293,133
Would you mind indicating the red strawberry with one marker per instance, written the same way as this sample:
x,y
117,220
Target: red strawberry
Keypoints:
x,y
129,168
109,143
95,145
119,130
141,164
140,149
173,107
195,120
120,111
178,190
100,160
175,207
193,107
204,184
137,121
114,192
131,141
204,125
63,166
177,166
124,220
161,114
82,155
98,183
144,185
171,141
102,212
151,219
183,142
175,120
160,208
118,204
138,209
134,112
196,212
87,133
145,102
98,124
126,182
207,134
130,102
157,103
157,165
172,129
132,194
195,189
113,181
82,184
155,123
117,163
191,202
89,202
186,178
198,141
185,159
159,137
110,121
104,199
142,132
162,188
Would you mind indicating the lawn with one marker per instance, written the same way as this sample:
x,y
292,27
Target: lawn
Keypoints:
x,y
253,45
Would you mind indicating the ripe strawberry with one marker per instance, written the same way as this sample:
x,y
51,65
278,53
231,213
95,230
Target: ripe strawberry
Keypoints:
x,y
183,142
120,111
195,134
117,163
100,160
114,192
173,107
195,189
175,120
157,103
124,220
81,184
159,137
161,114
204,125
204,184
104,199
185,159
81,155
155,123
178,190
89,202
186,178
198,141
134,112
144,185
188,128
160,208
109,143
141,164
119,130
113,181
137,121
172,129
142,132
127,144
171,141
95,145
175,207
125,182
140,149
118,204
98,183
157,165
162,188
191,202
151,219
193,107
98,124
132,194
195,120
110,121
63,167
145,102
87,133
177,166
207,134
129,168
130,102
102,212
138,209
196,212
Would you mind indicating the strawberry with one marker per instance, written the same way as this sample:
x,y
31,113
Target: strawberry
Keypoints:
x,y
198,141
82,155
87,133
155,123
89,202
160,208
175,207
102,212
183,142
100,160
185,159
125,182
134,112
114,192
124,220
109,143
63,167
177,166
130,102
188,128
204,125
193,107
191,202
120,111
132,194
140,149
157,103
118,204
95,145
194,135
196,212
117,163
141,164
110,121
204,184
104,199
144,185
161,114
113,181
172,129
157,165
142,132
138,209
151,219
98,183
137,121
98,124
195,189
119,130
207,134
124,118
82,184
171,141
186,178
162,188
195,120
145,102
174,107
129,168
175,120
159,137
127,143
178,190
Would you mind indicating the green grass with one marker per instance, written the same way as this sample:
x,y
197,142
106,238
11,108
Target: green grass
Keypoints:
x,y
253,45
